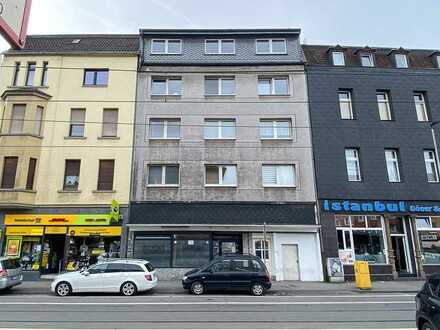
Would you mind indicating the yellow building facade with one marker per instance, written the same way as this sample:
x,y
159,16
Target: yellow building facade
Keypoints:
x,y
66,135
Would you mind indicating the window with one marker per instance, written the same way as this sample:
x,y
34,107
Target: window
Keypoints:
x,y
163,175
401,61
431,165
9,172
223,266
77,119
353,165
220,86
367,60
271,46
110,123
219,129
338,58
98,269
30,75
420,104
165,46
16,74
392,160
261,249
38,120
275,129
166,86
31,174
164,128
71,175
345,105
273,86
17,119
96,77
278,175
384,105
438,61
361,238
245,265
156,249
220,46
106,174
190,250
429,236
44,74
221,175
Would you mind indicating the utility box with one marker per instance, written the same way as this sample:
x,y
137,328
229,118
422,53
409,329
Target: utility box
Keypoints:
x,y
362,275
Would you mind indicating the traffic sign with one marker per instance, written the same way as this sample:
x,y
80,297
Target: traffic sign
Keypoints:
x,y
14,19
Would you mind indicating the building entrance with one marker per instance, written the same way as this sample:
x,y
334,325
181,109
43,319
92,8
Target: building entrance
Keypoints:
x,y
53,253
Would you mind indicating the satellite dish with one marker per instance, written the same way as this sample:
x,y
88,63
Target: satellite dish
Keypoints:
x,y
14,19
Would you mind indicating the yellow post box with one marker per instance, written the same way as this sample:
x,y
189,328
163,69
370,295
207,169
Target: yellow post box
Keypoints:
x,y
362,275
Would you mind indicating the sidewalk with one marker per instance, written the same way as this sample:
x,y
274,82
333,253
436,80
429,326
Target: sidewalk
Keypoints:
x,y
286,288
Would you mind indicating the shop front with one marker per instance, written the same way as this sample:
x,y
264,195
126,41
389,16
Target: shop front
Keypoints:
x,y
398,238
51,243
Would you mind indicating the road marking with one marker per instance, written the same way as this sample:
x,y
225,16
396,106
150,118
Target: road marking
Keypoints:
x,y
210,303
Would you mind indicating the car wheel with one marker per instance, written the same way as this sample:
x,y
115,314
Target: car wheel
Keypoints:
x,y
257,289
197,288
63,289
128,289
427,326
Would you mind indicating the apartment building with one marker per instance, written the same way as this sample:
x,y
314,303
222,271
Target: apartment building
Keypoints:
x,y
375,115
222,158
66,147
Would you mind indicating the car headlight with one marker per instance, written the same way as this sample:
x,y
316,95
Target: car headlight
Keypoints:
x,y
185,278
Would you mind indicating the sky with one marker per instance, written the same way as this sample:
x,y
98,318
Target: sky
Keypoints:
x,y
389,23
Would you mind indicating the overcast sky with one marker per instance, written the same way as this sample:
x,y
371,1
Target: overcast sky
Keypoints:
x,y
411,24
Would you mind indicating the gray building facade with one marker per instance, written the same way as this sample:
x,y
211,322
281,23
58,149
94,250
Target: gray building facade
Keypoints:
x,y
222,159
372,111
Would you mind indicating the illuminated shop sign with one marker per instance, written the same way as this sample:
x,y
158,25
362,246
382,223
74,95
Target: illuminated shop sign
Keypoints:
x,y
379,207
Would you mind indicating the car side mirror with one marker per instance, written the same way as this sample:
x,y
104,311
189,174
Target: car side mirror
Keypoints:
x,y
85,273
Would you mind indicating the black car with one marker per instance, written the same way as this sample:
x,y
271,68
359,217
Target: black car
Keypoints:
x,y
231,272
428,305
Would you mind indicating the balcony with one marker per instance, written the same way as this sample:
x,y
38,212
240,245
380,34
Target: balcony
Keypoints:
x,y
17,198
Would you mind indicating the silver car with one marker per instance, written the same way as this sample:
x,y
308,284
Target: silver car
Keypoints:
x,y
11,273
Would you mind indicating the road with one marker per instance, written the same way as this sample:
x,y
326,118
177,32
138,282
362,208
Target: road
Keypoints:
x,y
232,311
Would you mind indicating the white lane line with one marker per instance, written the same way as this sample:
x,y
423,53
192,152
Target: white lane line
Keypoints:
x,y
210,303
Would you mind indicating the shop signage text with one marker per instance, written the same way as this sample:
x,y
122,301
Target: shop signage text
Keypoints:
x,y
57,219
379,207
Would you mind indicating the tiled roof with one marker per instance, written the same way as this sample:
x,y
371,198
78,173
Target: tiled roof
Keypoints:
x,y
80,44
417,58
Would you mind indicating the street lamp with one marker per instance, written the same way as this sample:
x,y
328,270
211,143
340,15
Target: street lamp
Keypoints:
x,y
437,157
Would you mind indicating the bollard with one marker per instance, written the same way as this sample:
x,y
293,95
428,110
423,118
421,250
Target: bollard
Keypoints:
x,y
362,275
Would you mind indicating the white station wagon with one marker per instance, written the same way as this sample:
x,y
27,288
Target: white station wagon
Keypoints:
x,y
127,276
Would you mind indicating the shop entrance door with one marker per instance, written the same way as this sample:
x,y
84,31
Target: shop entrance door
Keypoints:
x,y
400,253
290,262
53,253
226,244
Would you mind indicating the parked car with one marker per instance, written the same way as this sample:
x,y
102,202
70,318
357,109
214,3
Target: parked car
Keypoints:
x,y
127,276
428,305
11,273
231,272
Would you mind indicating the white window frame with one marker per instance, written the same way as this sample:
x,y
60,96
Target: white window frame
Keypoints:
x,y
438,61
427,229
370,57
219,128
167,79
165,128
405,64
272,85
220,176
219,46
430,161
386,101
166,47
277,185
350,229
392,159
421,103
275,128
348,101
219,85
334,53
355,159
163,173
271,40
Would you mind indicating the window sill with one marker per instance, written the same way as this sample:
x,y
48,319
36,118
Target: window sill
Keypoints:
x,y
165,96
95,86
75,138
268,96
163,139
278,186
220,186
25,86
275,139
155,54
103,191
109,138
220,139
162,186
69,191
22,134
220,95
18,190
271,53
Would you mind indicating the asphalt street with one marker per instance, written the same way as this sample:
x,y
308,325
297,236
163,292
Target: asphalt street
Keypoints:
x,y
212,311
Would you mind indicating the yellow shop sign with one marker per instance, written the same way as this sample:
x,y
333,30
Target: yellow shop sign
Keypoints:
x,y
92,231
24,231
57,219
56,230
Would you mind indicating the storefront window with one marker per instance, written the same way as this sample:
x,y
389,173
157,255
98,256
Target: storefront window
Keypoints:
x,y
30,253
429,236
190,250
157,250
362,239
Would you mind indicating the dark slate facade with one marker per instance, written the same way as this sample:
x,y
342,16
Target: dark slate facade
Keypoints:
x,y
371,136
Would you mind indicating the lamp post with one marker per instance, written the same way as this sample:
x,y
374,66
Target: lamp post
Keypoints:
x,y
434,140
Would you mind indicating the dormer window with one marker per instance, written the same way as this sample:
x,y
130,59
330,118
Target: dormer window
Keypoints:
x,y
367,60
271,46
166,46
338,58
438,61
401,61
216,46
